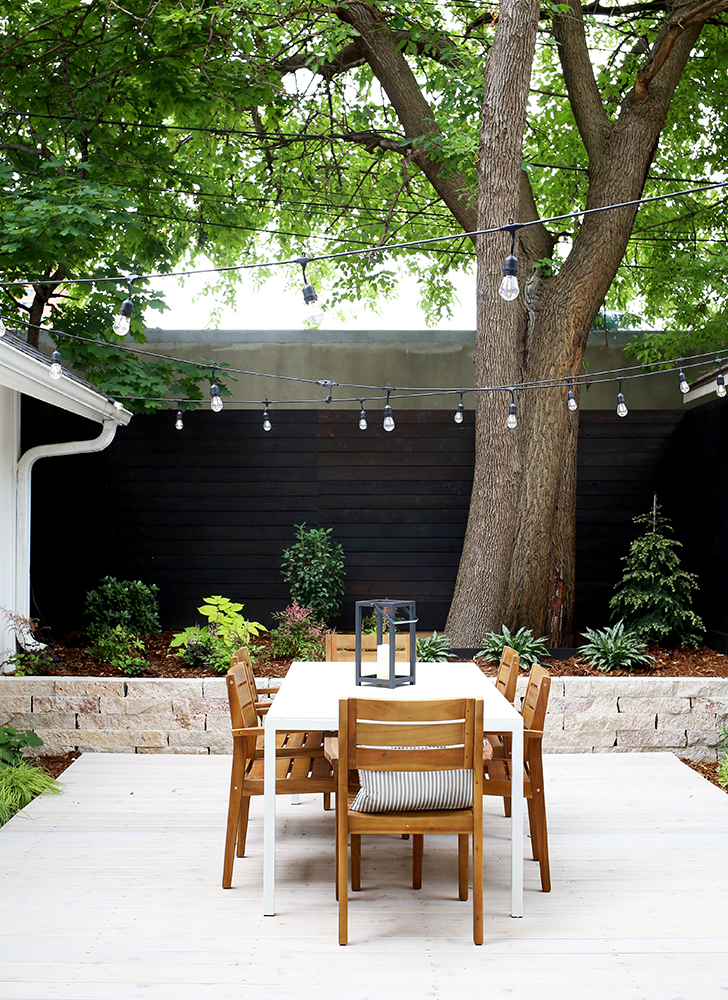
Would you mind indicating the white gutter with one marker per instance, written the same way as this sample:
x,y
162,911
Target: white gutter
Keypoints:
x,y
23,493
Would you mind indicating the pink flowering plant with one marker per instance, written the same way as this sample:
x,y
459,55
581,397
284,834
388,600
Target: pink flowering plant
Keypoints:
x,y
299,634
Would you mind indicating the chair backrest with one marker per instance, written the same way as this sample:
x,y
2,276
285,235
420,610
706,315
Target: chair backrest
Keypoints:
x,y
411,735
536,698
507,675
343,647
241,697
241,657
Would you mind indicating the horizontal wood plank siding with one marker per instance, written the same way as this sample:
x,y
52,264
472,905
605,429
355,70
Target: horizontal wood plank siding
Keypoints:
x,y
210,509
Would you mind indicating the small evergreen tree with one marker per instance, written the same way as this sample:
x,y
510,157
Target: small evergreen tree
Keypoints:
x,y
654,595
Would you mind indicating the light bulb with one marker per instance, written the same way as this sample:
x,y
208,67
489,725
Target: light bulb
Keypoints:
x,y
363,420
179,423
313,312
571,400
622,410
388,423
512,420
215,398
509,285
684,387
267,425
122,321
458,418
56,359
720,386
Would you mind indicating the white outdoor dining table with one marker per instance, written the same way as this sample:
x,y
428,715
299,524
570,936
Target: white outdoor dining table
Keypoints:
x,y
309,699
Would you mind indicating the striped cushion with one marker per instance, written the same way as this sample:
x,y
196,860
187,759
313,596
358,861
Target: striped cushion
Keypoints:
x,y
398,791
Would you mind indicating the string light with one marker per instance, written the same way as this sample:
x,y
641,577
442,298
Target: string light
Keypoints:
x,y
622,410
571,398
720,382
267,425
122,321
388,422
215,397
313,311
512,419
460,411
179,423
684,387
56,359
362,416
509,285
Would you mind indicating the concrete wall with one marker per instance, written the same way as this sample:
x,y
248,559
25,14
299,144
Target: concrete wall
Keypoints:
x,y
401,358
586,714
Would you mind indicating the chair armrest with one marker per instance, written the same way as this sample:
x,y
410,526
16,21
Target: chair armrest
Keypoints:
x,y
252,731
331,748
532,734
261,707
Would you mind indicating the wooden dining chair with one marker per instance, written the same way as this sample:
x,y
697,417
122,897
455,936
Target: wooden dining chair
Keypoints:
x,y
499,744
420,771
241,657
498,770
301,766
343,647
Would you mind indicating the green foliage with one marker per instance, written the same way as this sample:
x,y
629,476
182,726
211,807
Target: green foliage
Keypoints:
x,y
723,758
122,648
530,649
614,648
299,634
314,568
212,645
654,596
28,664
14,741
433,649
129,603
20,784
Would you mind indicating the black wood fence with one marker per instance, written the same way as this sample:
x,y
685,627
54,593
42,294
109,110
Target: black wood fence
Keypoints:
x,y
210,509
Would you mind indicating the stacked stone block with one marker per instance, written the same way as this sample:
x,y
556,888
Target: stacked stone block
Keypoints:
x,y
585,714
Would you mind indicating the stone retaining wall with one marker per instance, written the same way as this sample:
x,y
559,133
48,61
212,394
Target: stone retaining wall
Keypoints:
x,y
586,714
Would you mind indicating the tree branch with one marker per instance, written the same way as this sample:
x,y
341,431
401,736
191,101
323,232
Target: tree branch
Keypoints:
x,y
665,42
415,114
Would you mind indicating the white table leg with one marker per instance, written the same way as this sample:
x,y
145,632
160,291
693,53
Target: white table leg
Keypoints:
x,y
269,823
517,823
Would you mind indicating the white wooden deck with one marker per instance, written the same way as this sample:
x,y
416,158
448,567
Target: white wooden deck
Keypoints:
x,y
112,891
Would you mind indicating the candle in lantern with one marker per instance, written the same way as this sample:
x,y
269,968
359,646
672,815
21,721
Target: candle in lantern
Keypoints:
x,y
383,661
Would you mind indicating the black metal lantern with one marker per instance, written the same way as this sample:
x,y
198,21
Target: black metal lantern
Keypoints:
x,y
391,616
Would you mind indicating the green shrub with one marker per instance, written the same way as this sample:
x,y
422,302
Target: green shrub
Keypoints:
x,y
122,649
314,569
14,741
614,648
299,634
530,649
28,664
654,596
433,648
723,759
211,646
129,603
19,785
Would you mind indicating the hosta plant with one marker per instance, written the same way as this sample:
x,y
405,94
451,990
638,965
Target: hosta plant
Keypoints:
x,y
433,649
614,648
530,649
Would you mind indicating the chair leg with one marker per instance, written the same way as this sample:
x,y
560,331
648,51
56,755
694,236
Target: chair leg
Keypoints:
x,y
478,884
243,825
418,847
232,833
533,830
355,862
463,859
538,806
506,806
327,801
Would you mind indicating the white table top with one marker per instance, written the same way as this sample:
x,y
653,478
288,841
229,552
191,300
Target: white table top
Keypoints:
x,y
310,693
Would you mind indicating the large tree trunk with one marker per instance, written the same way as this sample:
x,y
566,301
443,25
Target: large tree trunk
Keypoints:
x,y
518,561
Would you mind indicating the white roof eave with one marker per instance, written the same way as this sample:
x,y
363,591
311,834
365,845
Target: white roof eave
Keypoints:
x,y
30,375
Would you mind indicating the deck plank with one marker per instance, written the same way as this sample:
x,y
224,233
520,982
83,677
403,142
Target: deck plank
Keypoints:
x,y
111,891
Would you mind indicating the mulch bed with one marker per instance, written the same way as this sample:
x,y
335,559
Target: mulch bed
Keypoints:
x,y
75,660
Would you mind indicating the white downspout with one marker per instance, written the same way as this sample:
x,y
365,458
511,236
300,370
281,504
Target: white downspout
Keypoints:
x,y
23,477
